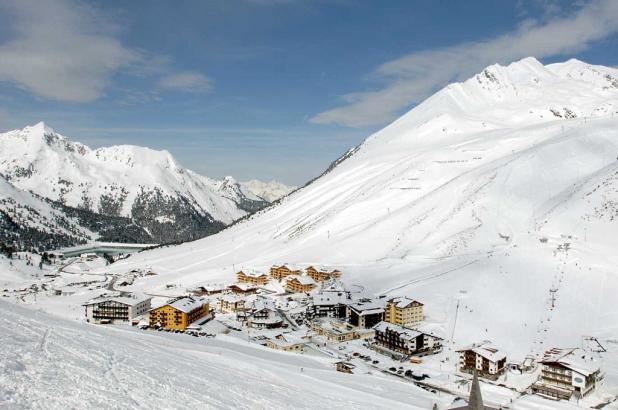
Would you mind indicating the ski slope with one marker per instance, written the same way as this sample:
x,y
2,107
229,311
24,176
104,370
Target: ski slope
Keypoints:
x,y
51,363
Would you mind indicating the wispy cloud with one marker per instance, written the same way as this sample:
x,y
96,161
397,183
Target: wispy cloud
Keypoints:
x,y
413,77
68,50
186,81
61,50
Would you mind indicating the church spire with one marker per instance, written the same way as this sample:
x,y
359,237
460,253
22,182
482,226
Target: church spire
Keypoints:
x,y
476,400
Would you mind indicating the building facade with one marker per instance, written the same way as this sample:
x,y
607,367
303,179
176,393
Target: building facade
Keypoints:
x,y
252,278
337,331
118,309
404,311
264,318
365,313
231,304
281,272
407,341
487,360
300,284
286,343
328,304
565,374
321,275
178,313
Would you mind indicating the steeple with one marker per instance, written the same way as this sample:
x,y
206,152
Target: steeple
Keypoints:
x,y
476,400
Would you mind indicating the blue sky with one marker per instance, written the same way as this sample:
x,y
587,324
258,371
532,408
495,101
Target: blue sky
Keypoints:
x,y
268,89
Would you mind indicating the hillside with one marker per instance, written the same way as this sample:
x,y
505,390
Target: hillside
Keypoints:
x,y
44,357
478,202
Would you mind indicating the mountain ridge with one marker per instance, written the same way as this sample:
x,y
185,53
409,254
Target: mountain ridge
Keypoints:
x,y
149,187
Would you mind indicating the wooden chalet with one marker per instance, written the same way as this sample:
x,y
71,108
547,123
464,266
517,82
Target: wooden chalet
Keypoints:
x,y
208,290
242,289
300,284
281,272
252,278
321,275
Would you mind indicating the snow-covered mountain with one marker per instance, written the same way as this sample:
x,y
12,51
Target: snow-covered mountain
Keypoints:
x,y
170,202
29,221
269,191
478,202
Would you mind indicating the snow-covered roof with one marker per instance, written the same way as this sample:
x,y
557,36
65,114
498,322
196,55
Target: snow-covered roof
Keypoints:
x,y
571,359
125,300
486,350
330,298
186,303
273,317
367,307
490,354
252,273
404,332
404,302
335,326
303,280
243,286
287,339
231,299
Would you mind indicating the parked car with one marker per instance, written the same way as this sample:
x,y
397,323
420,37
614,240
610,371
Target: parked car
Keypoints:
x,y
376,362
408,373
392,369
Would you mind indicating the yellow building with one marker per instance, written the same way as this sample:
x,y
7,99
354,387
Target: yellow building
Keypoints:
x,y
253,278
300,284
404,312
178,313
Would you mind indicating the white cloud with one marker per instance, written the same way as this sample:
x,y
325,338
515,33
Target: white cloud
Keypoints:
x,y
411,78
61,50
68,50
186,81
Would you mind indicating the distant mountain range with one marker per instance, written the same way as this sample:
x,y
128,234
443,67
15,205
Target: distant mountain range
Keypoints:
x,y
52,187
